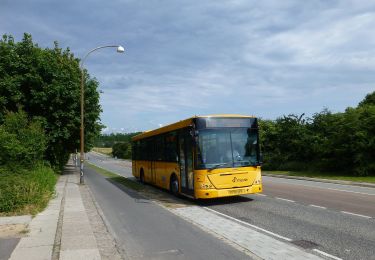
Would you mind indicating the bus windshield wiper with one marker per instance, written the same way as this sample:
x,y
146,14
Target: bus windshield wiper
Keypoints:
x,y
216,165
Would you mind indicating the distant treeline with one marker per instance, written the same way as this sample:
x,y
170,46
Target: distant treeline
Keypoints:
x,y
335,142
108,140
120,143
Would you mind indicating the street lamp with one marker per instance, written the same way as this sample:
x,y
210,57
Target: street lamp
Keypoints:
x,y
120,49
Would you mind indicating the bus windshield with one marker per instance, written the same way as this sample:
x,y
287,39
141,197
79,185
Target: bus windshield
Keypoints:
x,y
227,147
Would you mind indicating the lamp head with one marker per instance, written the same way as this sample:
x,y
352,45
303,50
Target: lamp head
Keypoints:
x,y
120,49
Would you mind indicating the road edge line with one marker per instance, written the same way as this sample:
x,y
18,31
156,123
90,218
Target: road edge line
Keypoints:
x,y
326,254
250,225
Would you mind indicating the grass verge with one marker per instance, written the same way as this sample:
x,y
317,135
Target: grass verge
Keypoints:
x,y
117,178
147,191
25,191
106,151
330,176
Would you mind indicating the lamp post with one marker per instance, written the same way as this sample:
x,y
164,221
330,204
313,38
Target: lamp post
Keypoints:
x,y
120,49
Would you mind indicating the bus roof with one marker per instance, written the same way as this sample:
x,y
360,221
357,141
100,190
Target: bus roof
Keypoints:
x,y
181,124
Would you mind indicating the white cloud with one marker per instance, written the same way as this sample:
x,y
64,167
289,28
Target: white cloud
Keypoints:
x,y
200,57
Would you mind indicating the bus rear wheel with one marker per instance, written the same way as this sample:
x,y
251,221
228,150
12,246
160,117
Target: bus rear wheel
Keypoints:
x,y
174,185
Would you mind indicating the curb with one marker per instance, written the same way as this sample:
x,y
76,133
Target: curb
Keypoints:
x,y
25,219
353,183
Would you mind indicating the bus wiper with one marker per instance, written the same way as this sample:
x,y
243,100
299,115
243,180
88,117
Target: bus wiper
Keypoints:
x,y
216,165
246,163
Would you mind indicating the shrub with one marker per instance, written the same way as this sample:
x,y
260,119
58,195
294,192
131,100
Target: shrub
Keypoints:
x,y
122,150
22,142
25,191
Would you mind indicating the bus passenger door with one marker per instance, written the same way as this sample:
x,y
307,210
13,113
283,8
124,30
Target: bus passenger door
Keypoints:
x,y
186,163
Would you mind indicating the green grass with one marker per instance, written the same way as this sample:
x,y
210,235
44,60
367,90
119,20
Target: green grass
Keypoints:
x,y
117,178
25,191
325,175
106,151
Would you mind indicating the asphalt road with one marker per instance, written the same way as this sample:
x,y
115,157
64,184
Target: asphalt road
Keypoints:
x,y
7,245
336,219
145,230
352,199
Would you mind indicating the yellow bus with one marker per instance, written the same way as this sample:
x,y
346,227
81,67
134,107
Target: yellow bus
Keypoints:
x,y
201,157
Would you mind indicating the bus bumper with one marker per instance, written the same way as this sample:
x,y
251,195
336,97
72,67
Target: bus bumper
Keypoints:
x,y
209,194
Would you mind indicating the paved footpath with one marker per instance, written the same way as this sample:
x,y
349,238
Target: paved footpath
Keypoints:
x,y
69,228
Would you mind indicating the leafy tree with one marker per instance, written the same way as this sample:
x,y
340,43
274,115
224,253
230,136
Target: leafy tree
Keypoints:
x,y
45,83
369,100
341,142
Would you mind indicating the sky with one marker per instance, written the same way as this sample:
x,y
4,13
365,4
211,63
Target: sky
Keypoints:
x,y
185,58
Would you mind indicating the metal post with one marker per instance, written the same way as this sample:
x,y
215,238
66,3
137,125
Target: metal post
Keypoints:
x,y
82,157
120,49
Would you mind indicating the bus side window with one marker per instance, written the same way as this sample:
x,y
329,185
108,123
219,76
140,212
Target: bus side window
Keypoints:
x,y
171,147
160,153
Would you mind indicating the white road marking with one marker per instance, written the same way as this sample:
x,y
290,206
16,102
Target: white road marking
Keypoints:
x,y
326,254
250,225
357,192
284,199
316,206
355,214
259,194
311,186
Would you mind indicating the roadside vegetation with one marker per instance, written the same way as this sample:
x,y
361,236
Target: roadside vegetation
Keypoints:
x,y
39,120
103,150
26,181
117,178
119,143
337,144
25,191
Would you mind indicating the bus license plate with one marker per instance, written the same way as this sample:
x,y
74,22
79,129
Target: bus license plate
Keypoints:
x,y
233,192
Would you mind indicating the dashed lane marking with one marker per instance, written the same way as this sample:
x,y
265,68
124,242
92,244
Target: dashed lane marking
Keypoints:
x,y
259,194
316,206
327,255
284,199
355,214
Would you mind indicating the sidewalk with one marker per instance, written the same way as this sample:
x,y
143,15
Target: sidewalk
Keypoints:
x,y
69,228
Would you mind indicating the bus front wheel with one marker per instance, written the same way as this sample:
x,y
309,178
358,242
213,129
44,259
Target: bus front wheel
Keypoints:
x,y
174,185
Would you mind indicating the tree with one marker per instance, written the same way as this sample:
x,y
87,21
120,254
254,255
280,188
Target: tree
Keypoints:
x,y
369,100
122,150
108,140
45,83
338,142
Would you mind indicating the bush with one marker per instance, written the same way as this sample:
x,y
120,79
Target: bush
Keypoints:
x,y
22,142
25,191
122,150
